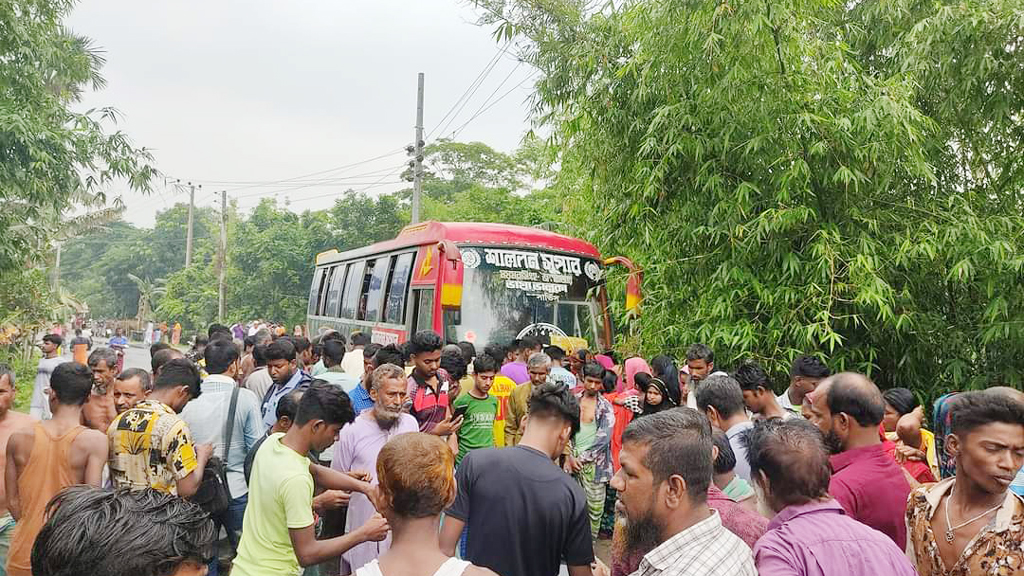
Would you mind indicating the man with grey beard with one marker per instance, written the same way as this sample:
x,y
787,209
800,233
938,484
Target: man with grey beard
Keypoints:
x,y
357,449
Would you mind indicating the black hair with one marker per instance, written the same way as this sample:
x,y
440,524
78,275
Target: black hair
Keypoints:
x,y
359,338
333,335
555,352
259,355
201,339
179,372
389,354
424,341
609,381
678,444
324,401
665,369
486,363
301,343
454,364
280,349
726,459
370,350
220,354
216,329
78,331
88,530
700,352
144,378
288,405
809,367
54,339
582,354
497,351
644,381
751,376
612,354
863,403
593,370
555,400
72,383
468,350
333,353
156,347
248,342
902,400
162,357
792,455
721,392
972,410
527,343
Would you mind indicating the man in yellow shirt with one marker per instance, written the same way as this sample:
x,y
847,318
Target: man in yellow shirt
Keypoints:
x,y
277,534
538,367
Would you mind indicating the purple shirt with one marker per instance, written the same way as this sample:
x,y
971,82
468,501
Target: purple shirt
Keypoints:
x,y
516,371
819,539
871,487
356,450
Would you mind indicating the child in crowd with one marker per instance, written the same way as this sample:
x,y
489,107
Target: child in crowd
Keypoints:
x,y
478,409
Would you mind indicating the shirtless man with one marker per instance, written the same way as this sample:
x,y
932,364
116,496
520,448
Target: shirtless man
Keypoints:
x,y
9,422
99,410
36,469
591,462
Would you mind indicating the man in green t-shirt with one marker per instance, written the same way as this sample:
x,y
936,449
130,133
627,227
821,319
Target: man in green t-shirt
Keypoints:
x,y
479,410
277,532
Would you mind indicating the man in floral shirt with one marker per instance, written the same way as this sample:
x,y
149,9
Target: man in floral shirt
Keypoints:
x,y
150,446
972,524
591,464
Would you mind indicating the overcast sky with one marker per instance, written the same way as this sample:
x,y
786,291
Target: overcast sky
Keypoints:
x,y
233,92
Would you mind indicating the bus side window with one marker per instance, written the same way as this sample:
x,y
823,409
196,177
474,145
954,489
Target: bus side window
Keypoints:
x,y
367,276
334,292
423,313
314,291
353,283
324,289
394,307
381,267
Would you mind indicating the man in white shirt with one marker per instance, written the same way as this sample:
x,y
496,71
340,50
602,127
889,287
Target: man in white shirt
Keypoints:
x,y
352,363
666,468
806,373
40,404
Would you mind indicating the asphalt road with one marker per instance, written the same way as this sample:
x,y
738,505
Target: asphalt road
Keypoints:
x,y
136,356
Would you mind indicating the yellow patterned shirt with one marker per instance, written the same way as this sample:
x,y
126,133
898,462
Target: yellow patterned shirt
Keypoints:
x,y
150,447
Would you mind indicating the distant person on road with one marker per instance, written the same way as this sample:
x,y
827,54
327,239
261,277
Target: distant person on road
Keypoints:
x,y
49,456
131,387
151,447
9,422
102,533
39,407
99,410
80,346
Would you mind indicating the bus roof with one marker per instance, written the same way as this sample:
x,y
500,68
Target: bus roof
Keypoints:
x,y
433,232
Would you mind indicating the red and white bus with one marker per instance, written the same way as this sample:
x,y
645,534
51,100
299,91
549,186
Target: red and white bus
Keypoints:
x,y
476,282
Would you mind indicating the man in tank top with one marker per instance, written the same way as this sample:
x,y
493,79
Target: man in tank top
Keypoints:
x,y
49,456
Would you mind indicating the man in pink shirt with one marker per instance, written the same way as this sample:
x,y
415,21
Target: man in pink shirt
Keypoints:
x,y
848,408
810,534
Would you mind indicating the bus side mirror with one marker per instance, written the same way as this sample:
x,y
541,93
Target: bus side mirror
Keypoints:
x,y
451,278
450,251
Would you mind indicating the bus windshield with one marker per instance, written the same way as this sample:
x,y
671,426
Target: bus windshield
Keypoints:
x,y
511,293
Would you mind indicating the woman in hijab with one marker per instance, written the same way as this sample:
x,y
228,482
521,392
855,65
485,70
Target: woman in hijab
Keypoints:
x,y
666,371
655,394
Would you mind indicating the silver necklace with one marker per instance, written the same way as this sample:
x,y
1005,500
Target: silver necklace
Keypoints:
x,y
949,525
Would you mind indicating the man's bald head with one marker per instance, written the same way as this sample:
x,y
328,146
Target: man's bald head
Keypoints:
x,y
852,394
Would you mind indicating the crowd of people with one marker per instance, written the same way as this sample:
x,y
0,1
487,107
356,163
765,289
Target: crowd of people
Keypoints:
x,y
268,454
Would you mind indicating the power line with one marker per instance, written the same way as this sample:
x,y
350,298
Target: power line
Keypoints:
x,y
470,91
491,105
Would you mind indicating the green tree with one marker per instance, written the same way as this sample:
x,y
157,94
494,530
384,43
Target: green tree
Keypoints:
x,y
785,174
149,290
50,153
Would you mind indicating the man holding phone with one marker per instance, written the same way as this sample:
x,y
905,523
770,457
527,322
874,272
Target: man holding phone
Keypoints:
x,y
477,408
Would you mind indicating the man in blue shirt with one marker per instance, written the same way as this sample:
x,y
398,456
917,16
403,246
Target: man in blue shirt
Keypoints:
x,y
284,370
207,418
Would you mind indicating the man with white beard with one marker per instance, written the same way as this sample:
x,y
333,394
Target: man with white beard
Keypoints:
x,y
357,449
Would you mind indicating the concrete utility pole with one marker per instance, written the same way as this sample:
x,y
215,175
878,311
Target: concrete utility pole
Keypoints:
x,y
191,207
223,253
417,183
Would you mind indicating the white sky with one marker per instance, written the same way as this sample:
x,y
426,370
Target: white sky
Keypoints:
x,y
260,90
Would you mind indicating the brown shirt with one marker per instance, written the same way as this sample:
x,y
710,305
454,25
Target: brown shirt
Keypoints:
x,y
47,472
997,549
